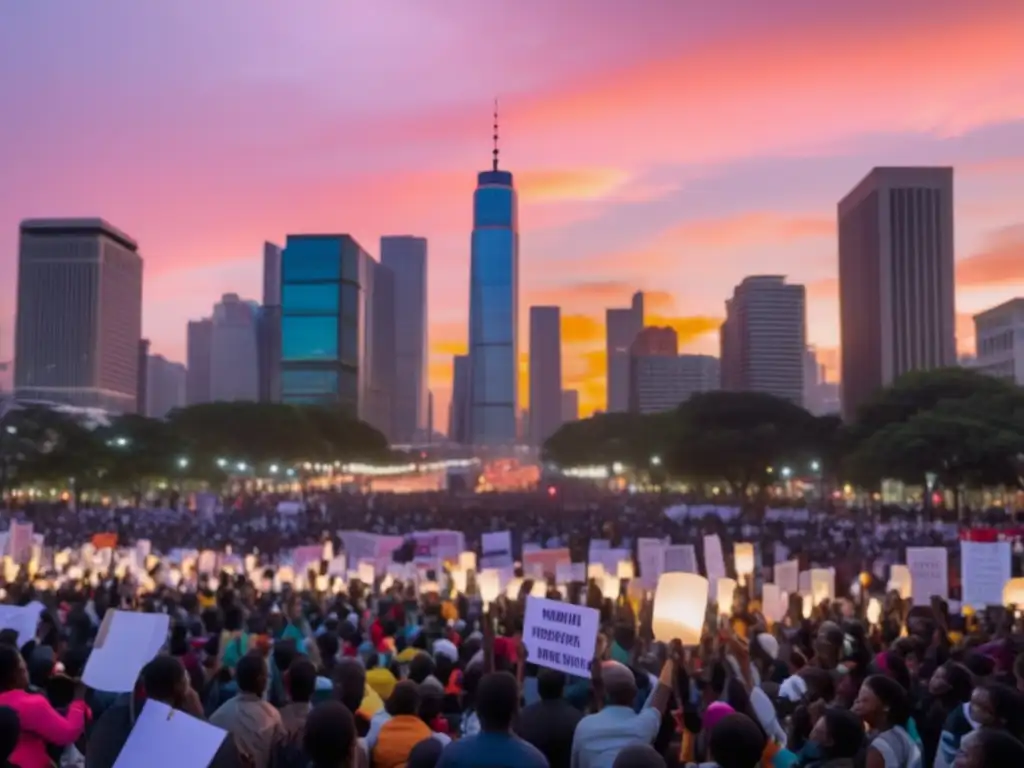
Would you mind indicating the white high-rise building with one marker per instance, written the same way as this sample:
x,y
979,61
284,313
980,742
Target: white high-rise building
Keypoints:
x,y
764,338
165,386
234,350
896,279
406,257
999,341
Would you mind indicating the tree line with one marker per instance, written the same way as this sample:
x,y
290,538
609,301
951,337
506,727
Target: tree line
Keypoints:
x,y
954,426
208,442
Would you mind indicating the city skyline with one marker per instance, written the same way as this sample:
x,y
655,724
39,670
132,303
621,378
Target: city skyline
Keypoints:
x,y
621,188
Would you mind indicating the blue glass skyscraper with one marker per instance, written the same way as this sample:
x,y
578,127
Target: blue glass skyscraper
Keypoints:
x,y
494,309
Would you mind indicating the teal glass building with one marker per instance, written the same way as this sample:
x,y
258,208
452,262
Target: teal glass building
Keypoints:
x,y
493,311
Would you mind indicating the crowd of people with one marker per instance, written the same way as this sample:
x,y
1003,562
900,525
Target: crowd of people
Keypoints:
x,y
387,675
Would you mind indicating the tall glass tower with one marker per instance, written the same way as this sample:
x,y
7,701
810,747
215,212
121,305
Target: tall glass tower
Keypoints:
x,y
494,308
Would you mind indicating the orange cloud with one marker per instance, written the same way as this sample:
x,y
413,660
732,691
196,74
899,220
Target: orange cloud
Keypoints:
x,y
750,228
545,186
1000,261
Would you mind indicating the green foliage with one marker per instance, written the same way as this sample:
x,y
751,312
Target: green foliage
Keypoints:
x,y
132,451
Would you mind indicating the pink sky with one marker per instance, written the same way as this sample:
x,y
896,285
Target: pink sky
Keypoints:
x,y
672,148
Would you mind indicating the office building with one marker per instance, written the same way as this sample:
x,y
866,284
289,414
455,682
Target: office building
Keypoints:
x,y
142,377
234,355
406,257
79,316
545,373
662,382
268,326
330,326
199,350
166,386
621,328
999,341
458,410
494,310
570,405
895,279
764,338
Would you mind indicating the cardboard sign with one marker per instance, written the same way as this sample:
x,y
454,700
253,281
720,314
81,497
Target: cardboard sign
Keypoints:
x,y
560,635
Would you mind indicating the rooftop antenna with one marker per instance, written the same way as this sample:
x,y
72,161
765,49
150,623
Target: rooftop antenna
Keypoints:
x,y
495,151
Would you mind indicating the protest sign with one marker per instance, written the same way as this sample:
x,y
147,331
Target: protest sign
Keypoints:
x,y
163,737
985,568
544,562
714,560
787,576
560,636
496,549
650,556
929,573
681,558
125,643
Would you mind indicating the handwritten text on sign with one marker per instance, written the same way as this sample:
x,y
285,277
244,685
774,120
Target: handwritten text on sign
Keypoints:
x,y
560,636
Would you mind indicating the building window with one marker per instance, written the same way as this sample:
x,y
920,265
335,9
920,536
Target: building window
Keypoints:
x,y
309,338
313,298
311,259
309,382
492,207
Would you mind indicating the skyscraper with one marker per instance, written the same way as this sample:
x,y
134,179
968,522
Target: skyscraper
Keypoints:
x,y
199,343
330,326
545,373
896,303
999,341
79,316
165,389
142,377
494,308
234,356
621,328
458,411
269,326
406,257
570,405
764,338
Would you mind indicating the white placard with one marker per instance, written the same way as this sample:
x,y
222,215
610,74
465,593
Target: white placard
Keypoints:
x,y
774,602
787,576
560,635
496,549
23,619
929,573
985,567
650,556
163,737
714,561
126,642
681,558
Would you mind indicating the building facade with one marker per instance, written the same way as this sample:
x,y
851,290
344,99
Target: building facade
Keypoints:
x,y
621,328
458,411
199,351
268,326
406,257
234,351
570,405
166,386
896,279
662,382
999,341
142,377
494,311
79,316
545,373
764,338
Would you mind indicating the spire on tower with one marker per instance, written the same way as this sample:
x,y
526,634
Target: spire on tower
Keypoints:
x,y
495,151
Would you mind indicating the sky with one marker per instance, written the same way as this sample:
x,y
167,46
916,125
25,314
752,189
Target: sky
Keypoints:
x,y
670,147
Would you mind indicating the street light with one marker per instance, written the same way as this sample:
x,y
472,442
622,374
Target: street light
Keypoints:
x,y
786,472
183,462
222,463
815,466
655,461
241,466
121,442
273,469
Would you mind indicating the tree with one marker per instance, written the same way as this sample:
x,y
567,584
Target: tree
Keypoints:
x,y
607,438
741,438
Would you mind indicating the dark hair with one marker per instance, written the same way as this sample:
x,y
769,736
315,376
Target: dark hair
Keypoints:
x,y
301,679
497,701
178,644
350,683
846,730
330,735
639,756
234,619
421,667
979,664
284,653
163,678
736,742
10,663
251,673
550,684
10,732
893,696
1000,747
404,699
961,681
820,683
425,754
1007,705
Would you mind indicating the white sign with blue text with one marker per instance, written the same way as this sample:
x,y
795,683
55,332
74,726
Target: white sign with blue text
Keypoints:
x,y
560,636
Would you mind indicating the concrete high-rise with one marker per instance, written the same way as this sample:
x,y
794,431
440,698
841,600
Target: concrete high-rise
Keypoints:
x,y
999,341
199,343
570,405
268,326
494,310
380,338
142,377
764,338
896,279
234,355
545,373
165,388
458,411
79,316
621,328
406,257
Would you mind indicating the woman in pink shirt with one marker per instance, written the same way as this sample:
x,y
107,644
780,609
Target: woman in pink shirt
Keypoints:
x,y
41,724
